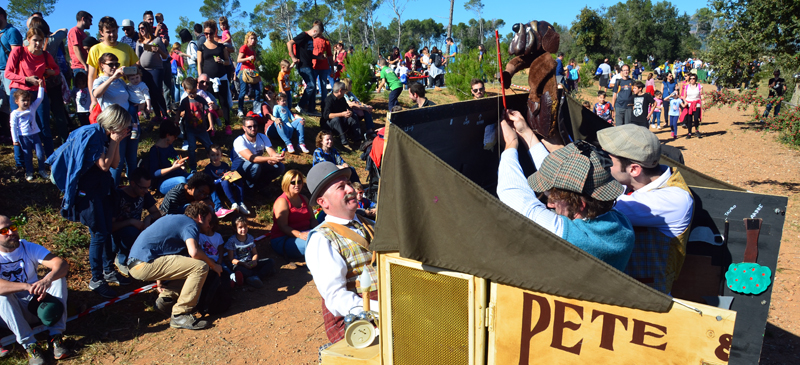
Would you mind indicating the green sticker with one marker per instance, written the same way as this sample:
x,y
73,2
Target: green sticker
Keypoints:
x,y
748,278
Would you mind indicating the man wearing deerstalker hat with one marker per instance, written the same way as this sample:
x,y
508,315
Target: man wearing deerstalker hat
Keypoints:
x,y
660,206
338,249
579,188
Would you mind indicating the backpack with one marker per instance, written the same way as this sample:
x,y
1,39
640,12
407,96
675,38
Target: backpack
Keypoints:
x,y
436,59
573,74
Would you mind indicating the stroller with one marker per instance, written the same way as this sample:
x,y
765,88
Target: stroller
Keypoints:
x,y
372,152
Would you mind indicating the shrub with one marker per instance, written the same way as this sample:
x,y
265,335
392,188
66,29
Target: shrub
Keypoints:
x,y
787,123
358,67
460,72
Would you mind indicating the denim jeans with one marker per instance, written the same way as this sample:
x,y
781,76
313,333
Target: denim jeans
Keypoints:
x,y
192,136
176,89
243,90
232,190
122,240
673,124
127,159
656,119
291,247
42,120
170,183
769,107
253,173
100,254
321,79
393,95
307,99
31,144
286,131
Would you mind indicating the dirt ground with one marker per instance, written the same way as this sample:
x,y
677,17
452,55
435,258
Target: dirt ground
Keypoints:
x,y
281,323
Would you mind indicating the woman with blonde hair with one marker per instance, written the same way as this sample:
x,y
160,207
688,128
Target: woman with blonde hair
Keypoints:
x,y
247,57
293,218
81,169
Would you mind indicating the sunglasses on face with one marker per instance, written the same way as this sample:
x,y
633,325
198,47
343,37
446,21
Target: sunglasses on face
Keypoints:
x,y
113,64
207,33
250,126
7,231
478,90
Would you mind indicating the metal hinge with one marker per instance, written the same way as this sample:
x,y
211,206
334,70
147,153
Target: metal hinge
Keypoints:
x,y
489,317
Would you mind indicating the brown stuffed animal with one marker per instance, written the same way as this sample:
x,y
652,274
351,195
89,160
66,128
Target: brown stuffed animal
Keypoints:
x,y
533,44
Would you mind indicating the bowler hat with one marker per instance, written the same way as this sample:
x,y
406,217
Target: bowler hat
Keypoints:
x,y
321,176
580,168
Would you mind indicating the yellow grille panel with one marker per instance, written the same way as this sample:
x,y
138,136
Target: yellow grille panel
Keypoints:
x,y
430,318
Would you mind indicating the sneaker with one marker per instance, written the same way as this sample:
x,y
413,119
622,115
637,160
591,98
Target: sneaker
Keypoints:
x,y
164,305
34,354
290,148
303,148
228,130
689,136
123,269
102,288
243,209
698,135
299,110
222,212
44,174
185,146
116,278
57,346
255,282
4,352
240,114
188,322
235,207
28,176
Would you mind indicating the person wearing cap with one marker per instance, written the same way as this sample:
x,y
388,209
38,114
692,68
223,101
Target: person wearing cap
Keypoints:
x,y
26,299
338,249
579,187
131,35
660,207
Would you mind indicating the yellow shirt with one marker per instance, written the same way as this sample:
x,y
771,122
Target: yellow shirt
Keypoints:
x,y
127,57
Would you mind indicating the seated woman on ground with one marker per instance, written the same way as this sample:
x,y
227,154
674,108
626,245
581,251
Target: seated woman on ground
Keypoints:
x,y
285,124
166,166
293,218
326,152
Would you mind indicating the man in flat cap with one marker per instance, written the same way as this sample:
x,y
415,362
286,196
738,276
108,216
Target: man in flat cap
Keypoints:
x,y
660,207
579,188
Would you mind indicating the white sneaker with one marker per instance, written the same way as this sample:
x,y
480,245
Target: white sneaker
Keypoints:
x,y
243,209
185,146
240,114
29,176
234,207
290,148
298,109
303,148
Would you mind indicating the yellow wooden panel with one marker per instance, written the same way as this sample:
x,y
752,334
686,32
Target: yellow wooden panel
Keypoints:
x,y
536,328
342,354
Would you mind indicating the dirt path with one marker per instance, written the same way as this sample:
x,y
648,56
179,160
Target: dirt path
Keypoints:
x,y
282,323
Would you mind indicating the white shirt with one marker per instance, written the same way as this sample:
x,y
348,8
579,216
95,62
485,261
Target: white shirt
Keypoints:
x,y
211,245
23,122
329,270
257,148
514,191
20,265
605,68
668,209
82,102
613,80
191,50
138,93
692,92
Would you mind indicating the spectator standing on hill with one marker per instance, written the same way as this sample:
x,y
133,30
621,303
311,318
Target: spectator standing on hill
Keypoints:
x,y
623,97
605,72
392,83
321,69
213,58
453,49
394,58
436,68
75,38
247,58
777,86
301,50
150,50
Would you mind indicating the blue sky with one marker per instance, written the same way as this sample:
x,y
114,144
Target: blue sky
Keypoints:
x,y
559,11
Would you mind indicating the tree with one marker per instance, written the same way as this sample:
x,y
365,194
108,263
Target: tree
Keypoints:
x,y
702,23
183,23
309,11
274,18
361,13
592,34
450,24
476,6
231,9
20,10
398,7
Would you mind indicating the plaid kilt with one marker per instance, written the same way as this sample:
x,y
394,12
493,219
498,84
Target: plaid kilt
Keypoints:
x,y
334,326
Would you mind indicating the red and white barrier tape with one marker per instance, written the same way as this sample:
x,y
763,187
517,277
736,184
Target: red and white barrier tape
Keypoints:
x,y
5,341
525,88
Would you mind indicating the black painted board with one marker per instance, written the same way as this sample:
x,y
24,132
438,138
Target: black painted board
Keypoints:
x,y
711,207
454,133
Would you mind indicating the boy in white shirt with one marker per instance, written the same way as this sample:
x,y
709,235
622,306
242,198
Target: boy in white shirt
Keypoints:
x,y
25,131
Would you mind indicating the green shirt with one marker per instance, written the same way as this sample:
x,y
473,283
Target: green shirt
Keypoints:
x,y
391,78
